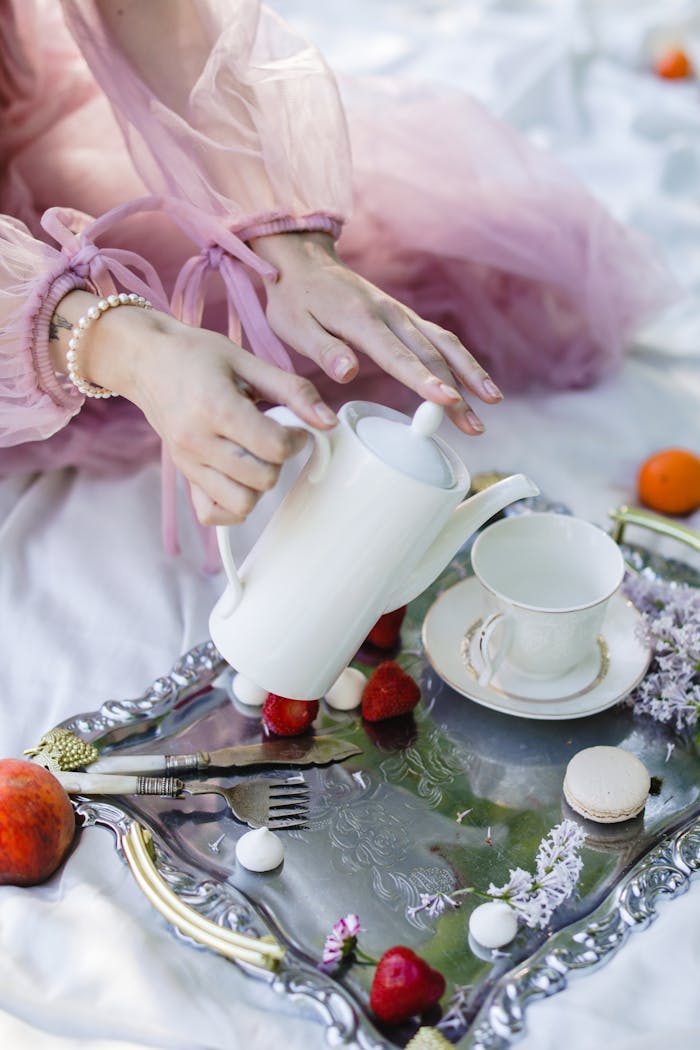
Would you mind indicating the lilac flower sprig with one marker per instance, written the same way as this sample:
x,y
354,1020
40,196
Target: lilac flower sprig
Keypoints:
x,y
434,903
557,869
533,896
670,691
459,1011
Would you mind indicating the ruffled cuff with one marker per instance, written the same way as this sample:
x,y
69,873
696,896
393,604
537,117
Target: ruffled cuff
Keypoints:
x,y
316,223
39,313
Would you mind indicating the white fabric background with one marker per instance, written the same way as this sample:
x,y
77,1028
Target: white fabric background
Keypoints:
x,y
91,608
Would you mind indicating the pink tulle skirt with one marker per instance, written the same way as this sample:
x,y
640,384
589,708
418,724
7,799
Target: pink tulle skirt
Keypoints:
x,y
458,216
455,215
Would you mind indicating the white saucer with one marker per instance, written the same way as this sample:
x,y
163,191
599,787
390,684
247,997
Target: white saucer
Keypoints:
x,y
620,663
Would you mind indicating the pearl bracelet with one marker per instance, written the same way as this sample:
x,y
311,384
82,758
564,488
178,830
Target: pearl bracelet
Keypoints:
x,y
93,314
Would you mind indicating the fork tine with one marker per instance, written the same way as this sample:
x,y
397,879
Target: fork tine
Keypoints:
x,y
292,792
276,823
275,782
287,811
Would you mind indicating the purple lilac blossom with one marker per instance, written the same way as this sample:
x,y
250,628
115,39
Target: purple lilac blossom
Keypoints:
x,y
670,691
434,903
558,866
459,1012
533,896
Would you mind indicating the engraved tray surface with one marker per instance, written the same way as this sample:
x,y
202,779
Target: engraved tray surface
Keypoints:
x,y
383,829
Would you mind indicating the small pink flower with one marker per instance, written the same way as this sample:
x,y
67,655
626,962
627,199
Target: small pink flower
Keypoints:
x,y
341,941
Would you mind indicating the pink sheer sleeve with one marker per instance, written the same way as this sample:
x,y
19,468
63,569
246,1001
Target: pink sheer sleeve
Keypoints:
x,y
34,277
222,105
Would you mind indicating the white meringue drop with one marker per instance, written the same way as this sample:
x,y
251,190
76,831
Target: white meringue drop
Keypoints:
x,y
260,850
493,924
245,690
346,692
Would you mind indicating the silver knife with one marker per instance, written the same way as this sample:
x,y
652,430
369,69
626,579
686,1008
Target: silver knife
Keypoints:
x,y
297,751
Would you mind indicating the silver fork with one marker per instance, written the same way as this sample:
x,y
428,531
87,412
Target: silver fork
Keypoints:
x,y
262,802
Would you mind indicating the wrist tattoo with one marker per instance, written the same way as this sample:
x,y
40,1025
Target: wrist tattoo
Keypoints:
x,y
56,322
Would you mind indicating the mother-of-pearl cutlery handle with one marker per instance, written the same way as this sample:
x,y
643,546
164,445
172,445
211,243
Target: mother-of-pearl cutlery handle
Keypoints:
x,y
116,784
168,764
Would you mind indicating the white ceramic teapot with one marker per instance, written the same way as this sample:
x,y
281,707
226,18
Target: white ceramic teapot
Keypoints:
x,y
375,515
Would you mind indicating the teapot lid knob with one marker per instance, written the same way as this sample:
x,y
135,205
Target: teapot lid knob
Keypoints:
x,y
411,448
426,419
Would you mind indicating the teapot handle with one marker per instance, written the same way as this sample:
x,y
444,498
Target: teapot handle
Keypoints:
x,y
319,463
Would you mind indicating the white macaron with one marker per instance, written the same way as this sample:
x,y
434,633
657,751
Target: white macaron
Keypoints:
x,y
606,784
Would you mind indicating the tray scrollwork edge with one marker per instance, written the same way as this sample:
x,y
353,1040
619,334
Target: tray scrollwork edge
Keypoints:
x,y
220,906
213,901
663,873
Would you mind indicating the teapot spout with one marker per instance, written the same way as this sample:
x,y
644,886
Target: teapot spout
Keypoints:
x,y
469,516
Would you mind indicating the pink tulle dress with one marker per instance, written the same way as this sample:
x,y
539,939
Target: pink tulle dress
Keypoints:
x,y
142,153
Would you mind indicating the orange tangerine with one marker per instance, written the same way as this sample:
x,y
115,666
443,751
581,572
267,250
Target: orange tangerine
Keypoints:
x,y
674,64
669,481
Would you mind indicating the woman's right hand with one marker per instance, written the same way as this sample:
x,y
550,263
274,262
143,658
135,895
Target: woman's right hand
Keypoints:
x,y
194,386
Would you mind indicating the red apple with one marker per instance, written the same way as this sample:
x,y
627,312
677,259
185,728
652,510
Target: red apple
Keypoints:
x,y
37,823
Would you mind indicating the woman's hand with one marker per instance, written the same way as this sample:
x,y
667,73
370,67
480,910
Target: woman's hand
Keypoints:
x,y
194,387
326,311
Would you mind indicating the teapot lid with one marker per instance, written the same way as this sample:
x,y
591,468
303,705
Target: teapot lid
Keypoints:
x,y
410,448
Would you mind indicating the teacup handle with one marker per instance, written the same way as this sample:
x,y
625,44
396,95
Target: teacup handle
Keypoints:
x,y
489,664
321,456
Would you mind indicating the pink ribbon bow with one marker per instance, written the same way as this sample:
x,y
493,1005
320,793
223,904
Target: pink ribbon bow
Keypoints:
x,y
219,250
103,266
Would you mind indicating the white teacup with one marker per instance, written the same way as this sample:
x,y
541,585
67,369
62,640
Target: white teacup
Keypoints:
x,y
547,581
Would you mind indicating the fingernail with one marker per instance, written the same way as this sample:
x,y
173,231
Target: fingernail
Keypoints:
x,y
491,389
342,367
325,414
449,391
474,421
299,438
445,388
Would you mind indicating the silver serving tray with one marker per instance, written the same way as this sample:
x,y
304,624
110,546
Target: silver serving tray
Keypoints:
x,y
383,829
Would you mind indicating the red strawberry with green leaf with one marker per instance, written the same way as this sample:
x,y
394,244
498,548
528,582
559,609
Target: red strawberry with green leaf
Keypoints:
x,y
389,692
387,630
404,985
287,717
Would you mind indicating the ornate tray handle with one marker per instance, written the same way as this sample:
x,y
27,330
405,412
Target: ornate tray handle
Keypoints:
x,y
624,516
138,851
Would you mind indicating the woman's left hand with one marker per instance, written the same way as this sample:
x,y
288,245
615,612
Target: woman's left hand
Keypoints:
x,y
326,311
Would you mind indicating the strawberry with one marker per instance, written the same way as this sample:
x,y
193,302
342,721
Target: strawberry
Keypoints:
x,y
287,717
393,734
389,692
386,632
404,985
